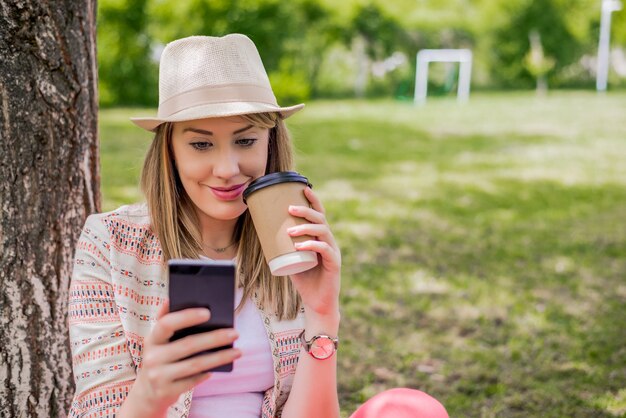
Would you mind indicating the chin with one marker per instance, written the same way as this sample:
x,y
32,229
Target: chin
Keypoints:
x,y
225,214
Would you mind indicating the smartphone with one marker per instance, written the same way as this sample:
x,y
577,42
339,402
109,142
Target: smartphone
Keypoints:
x,y
204,284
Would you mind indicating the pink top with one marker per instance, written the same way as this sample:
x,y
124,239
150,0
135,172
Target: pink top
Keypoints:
x,y
239,394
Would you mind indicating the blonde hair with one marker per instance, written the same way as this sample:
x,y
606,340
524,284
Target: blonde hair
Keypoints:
x,y
174,221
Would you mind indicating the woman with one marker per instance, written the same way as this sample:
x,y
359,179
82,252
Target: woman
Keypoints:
x,y
218,128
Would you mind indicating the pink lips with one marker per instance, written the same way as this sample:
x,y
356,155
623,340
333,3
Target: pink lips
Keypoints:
x,y
228,193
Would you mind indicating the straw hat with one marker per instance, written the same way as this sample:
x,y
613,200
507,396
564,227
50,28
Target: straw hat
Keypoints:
x,y
205,76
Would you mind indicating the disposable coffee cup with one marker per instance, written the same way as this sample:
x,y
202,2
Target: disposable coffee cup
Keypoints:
x,y
268,199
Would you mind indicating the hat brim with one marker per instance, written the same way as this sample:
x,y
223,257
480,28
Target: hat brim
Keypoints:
x,y
216,110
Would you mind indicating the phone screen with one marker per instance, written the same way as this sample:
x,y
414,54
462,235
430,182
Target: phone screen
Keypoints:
x,y
205,284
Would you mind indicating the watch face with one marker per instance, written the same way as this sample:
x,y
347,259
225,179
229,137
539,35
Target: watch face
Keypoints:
x,y
322,348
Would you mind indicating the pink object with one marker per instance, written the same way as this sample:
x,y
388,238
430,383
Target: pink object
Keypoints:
x,y
401,403
239,393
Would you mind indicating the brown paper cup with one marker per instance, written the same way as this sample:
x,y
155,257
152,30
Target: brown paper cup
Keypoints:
x,y
268,199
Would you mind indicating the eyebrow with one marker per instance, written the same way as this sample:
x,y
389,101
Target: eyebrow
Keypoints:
x,y
209,133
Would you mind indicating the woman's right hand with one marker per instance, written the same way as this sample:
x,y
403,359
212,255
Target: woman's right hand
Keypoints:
x,y
164,375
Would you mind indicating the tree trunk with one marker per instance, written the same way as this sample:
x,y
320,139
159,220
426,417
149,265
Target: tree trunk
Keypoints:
x,y
49,183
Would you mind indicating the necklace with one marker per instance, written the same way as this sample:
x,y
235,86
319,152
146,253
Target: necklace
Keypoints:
x,y
221,249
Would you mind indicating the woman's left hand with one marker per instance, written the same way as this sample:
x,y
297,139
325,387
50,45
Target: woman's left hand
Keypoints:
x,y
319,286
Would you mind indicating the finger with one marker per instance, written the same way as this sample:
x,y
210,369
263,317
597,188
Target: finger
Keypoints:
x,y
199,364
309,214
193,344
319,231
163,309
184,385
328,253
316,203
172,322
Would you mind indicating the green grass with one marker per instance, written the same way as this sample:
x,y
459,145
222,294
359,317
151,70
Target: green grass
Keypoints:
x,y
484,245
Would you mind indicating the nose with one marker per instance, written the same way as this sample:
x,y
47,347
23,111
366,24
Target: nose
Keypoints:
x,y
227,164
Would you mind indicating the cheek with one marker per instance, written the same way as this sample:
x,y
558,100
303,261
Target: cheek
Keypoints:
x,y
190,168
256,162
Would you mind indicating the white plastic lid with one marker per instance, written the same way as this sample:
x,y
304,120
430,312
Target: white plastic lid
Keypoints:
x,y
293,263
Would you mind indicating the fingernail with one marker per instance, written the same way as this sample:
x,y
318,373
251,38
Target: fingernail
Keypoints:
x,y
298,245
205,313
233,334
292,229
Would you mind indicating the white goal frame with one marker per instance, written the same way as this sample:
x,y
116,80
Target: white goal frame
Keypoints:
x,y
426,56
602,74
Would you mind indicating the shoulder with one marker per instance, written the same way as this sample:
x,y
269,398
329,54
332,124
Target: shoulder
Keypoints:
x,y
135,215
128,231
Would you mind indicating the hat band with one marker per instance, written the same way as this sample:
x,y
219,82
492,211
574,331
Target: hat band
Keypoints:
x,y
212,94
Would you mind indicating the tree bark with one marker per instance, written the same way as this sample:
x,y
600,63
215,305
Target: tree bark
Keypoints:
x,y
49,183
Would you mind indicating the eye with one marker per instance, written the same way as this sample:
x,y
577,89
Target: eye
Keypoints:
x,y
246,142
201,145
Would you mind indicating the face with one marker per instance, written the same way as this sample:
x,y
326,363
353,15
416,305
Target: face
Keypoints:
x,y
216,159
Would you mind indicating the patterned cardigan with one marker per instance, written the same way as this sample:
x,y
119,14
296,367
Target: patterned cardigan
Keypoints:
x,y
117,285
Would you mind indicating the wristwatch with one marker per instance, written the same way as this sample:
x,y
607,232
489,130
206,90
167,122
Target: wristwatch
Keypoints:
x,y
320,346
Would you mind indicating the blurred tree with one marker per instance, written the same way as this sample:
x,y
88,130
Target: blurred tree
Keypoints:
x,y
382,34
292,37
309,48
374,35
128,75
264,21
564,34
536,63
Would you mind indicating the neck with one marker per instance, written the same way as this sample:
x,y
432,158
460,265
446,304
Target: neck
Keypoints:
x,y
217,234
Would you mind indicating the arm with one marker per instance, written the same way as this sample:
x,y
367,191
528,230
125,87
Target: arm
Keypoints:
x,y
314,389
103,368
